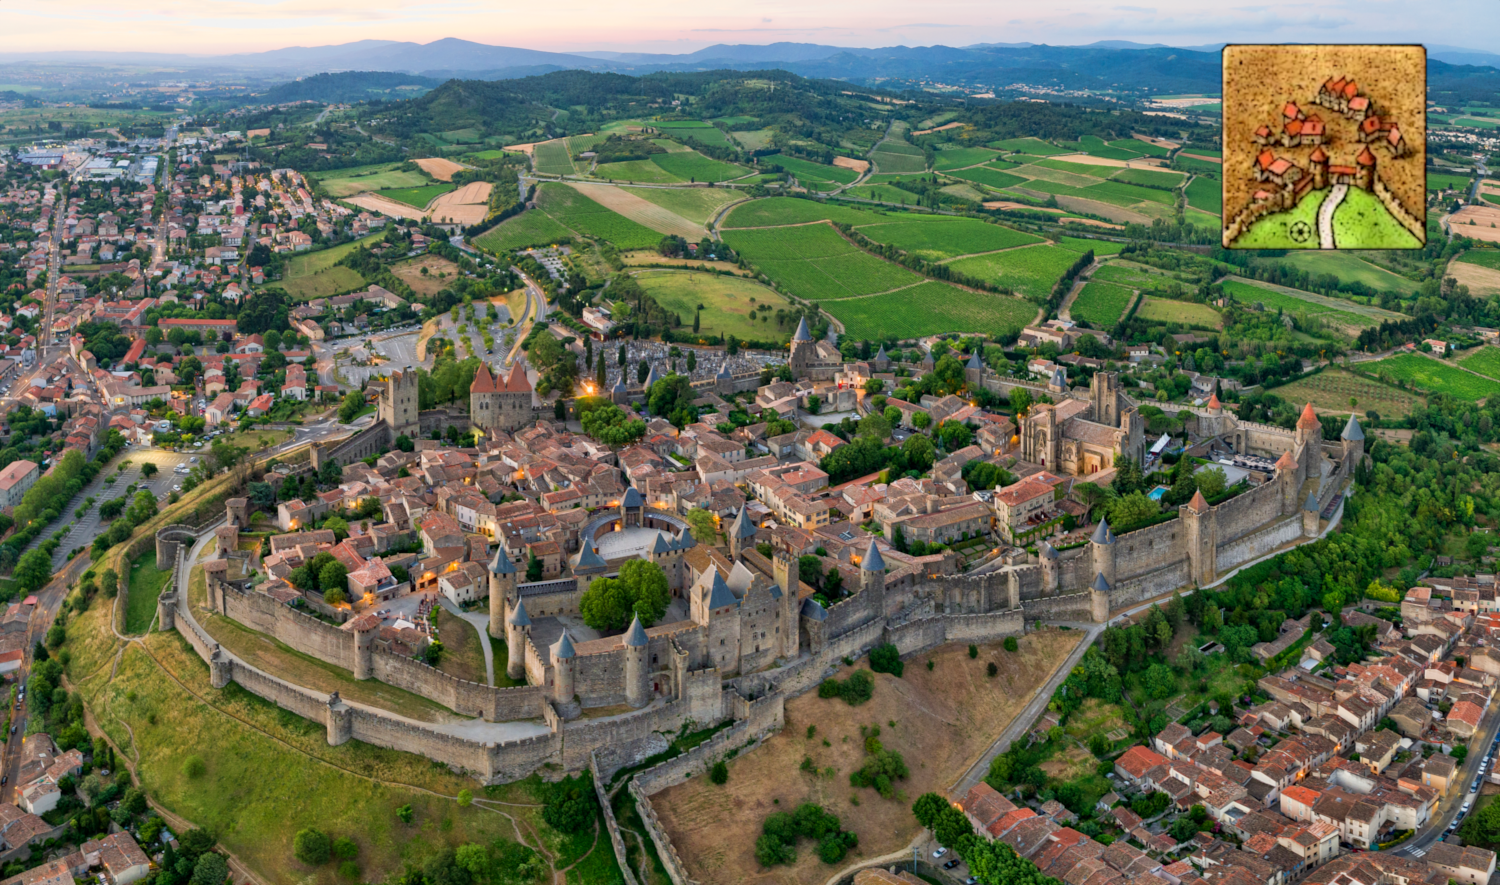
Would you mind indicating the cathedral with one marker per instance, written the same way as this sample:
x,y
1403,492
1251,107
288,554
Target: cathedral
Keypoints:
x,y
813,360
1080,438
496,404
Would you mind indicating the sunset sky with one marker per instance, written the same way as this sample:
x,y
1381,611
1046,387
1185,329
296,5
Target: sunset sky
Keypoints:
x,y
218,26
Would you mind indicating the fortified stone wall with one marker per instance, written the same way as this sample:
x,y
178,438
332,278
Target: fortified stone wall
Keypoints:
x,y
1246,513
611,826
302,632
1152,584
459,695
599,679
363,444
552,598
1258,544
1147,550
676,869
1073,607
289,697
385,731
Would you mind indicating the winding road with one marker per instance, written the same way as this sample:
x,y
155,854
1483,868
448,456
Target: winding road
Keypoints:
x,y
1325,215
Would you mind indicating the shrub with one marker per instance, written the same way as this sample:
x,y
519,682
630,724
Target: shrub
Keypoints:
x,y
465,798
571,804
886,659
193,767
719,773
345,848
829,688
858,688
349,870
312,847
992,668
1011,644
405,813
929,665
973,651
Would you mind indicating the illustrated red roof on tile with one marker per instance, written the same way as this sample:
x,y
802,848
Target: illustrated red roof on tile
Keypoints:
x,y
1319,155
1365,158
1359,102
1263,132
1312,126
1264,159
1351,89
1294,127
1291,111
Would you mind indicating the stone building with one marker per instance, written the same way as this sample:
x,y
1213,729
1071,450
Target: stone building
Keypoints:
x,y
496,404
813,360
1081,438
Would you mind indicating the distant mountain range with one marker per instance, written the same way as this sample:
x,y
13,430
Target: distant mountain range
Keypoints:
x,y
1104,63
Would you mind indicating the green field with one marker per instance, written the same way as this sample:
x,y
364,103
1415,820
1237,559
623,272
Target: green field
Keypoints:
x,y
1189,164
1136,276
704,132
816,262
883,193
928,309
988,176
488,155
809,172
729,303
1140,147
417,197
1346,315
1113,191
348,182
1033,146
1331,389
1087,170
1484,360
696,204
941,238
146,583
318,274
1281,230
1425,373
531,228
886,159
642,171
1483,257
693,166
1149,177
1348,266
1031,271
1083,244
1163,310
1362,219
1101,305
957,158
791,210
551,158
576,211
1437,181
1206,194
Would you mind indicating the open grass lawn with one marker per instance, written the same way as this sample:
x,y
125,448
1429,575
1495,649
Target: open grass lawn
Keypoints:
x,y
463,656
729,303
1484,360
936,238
944,718
531,228
1101,304
707,134
1433,375
1489,258
928,309
348,182
1206,194
257,438
269,773
417,197
577,212
774,211
1331,389
959,157
146,583
1164,310
696,204
693,166
809,172
1349,266
318,274
1033,146
1031,271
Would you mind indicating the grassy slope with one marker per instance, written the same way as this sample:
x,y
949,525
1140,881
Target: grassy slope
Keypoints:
x,y
726,303
146,583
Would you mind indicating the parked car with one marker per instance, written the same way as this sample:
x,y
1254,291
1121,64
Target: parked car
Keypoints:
x,y
951,864
939,853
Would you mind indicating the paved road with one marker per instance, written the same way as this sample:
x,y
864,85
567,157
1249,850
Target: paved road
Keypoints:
x,y
1449,807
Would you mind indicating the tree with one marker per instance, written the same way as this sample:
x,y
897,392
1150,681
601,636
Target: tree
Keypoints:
x,y
465,798
607,422
705,530
312,847
640,590
405,813
533,568
353,403
719,773
405,444
211,869
148,469
1211,481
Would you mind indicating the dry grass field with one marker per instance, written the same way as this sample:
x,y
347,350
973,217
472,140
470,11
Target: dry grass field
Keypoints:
x,y
377,203
467,205
941,720
1477,222
1480,280
439,168
851,163
1331,389
410,273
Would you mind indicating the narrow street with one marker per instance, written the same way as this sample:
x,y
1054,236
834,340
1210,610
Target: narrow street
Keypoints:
x,y
1449,807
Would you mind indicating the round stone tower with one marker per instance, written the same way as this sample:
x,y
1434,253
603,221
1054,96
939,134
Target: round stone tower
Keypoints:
x,y
637,693
166,611
502,587
515,641
564,669
364,628
1102,545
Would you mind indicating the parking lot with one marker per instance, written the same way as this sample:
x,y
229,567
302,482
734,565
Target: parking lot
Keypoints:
x,y
401,350
84,530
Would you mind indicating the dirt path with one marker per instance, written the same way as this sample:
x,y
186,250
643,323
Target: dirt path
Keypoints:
x,y
991,252
1064,310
